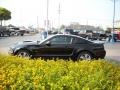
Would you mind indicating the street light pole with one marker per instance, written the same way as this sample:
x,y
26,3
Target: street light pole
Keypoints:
x,y
59,11
37,23
113,22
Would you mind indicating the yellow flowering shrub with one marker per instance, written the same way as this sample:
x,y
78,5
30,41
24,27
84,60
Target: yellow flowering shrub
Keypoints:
x,y
23,74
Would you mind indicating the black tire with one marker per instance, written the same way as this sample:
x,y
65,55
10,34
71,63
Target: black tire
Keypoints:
x,y
85,55
23,53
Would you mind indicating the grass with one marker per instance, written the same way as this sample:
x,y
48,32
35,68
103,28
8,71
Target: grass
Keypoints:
x,y
23,74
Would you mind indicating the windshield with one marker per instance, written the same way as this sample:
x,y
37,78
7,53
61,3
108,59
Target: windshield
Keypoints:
x,y
50,36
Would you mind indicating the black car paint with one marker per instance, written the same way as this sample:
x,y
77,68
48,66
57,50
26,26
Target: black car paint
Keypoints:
x,y
61,50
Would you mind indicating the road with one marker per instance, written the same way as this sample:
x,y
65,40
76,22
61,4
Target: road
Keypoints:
x,y
112,49
6,42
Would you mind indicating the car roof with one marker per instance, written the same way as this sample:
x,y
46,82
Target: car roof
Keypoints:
x,y
71,36
65,35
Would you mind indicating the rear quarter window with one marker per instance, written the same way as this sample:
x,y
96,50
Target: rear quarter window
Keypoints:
x,y
79,41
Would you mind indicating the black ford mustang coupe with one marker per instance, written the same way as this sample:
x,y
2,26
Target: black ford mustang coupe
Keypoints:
x,y
61,46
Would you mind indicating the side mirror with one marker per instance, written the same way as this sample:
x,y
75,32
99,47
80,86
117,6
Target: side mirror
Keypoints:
x,y
48,43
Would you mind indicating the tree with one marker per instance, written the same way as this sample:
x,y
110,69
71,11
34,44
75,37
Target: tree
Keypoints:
x,y
4,14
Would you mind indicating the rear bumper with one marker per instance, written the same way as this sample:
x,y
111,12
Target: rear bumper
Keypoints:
x,y
100,54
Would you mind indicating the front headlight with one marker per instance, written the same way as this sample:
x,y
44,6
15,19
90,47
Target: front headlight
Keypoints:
x,y
11,51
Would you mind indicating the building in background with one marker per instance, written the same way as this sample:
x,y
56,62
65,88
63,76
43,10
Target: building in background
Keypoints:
x,y
77,26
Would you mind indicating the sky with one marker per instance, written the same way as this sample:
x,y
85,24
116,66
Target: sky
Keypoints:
x,y
85,12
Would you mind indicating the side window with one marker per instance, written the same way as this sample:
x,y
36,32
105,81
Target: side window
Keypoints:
x,y
61,40
79,41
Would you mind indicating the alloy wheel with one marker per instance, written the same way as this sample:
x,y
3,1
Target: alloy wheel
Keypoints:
x,y
84,56
23,54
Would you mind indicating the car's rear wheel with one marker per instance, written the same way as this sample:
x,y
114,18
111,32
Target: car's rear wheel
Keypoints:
x,y
84,56
23,53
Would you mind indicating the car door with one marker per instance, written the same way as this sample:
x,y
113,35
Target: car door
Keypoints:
x,y
57,46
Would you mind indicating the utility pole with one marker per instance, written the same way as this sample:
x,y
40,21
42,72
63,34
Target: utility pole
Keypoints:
x,y
47,22
113,26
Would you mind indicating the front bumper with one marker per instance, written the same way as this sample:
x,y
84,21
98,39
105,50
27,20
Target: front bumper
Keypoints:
x,y
11,51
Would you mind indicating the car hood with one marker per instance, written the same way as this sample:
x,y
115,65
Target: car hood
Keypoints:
x,y
27,42
24,43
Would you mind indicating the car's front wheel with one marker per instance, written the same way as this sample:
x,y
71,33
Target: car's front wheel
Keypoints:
x,y
23,53
84,56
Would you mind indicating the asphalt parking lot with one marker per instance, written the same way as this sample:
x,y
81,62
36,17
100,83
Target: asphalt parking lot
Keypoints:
x,y
6,42
112,49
